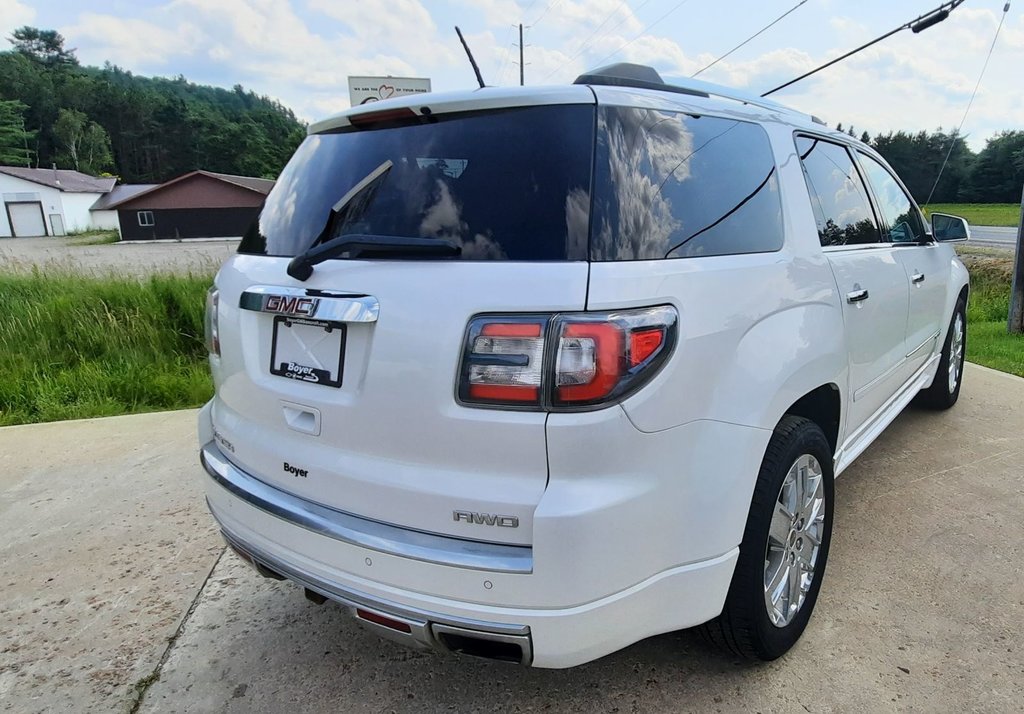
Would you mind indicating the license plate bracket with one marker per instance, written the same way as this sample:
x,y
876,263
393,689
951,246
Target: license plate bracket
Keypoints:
x,y
307,350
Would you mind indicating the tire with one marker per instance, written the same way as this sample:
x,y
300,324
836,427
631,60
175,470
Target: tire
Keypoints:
x,y
941,395
746,628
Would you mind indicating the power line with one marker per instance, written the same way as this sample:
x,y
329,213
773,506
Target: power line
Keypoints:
x,y
590,40
643,31
749,38
956,134
546,10
918,24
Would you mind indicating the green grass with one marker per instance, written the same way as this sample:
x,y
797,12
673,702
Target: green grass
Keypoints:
x,y
988,342
74,347
98,237
980,214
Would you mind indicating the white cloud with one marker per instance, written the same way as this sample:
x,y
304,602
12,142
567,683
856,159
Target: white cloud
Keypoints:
x,y
301,51
15,14
133,42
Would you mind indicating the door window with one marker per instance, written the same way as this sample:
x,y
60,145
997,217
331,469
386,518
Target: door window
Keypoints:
x,y
838,196
898,211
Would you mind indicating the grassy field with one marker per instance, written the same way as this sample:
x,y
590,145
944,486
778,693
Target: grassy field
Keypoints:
x,y
77,347
988,342
980,214
97,237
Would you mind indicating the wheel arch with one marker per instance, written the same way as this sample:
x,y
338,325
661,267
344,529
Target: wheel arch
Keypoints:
x,y
823,406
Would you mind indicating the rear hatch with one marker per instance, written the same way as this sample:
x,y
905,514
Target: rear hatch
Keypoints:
x,y
341,388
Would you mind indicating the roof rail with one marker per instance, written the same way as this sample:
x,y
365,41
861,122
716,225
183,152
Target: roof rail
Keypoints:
x,y
625,74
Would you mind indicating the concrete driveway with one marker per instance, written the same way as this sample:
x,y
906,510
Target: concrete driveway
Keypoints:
x,y
118,595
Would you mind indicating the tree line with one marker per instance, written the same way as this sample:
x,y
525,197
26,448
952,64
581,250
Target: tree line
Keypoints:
x,y
150,129
993,175
54,111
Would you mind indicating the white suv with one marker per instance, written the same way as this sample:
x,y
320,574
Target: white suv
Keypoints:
x,y
535,373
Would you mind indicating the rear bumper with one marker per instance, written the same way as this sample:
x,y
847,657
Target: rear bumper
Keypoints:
x,y
635,535
546,637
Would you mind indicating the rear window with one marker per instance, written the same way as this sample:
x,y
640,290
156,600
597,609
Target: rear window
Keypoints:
x,y
505,185
676,185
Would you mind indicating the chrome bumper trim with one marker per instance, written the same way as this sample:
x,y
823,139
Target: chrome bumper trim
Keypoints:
x,y
422,624
363,532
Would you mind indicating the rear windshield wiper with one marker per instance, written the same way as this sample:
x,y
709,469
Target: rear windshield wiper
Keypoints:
x,y
362,245
346,211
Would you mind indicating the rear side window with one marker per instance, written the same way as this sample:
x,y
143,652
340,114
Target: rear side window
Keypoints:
x,y
898,211
675,185
504,185
840,201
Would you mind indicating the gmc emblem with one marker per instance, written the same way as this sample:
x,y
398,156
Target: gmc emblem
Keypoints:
x,y
291,305
486,519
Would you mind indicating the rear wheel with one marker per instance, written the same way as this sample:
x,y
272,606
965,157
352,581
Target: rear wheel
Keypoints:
x,y
945,389
784,549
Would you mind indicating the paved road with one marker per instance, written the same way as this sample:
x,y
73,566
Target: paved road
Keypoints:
x,y
117,585
994,236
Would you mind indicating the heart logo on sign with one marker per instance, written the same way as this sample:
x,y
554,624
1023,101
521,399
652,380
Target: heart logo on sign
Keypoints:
x,y
385,91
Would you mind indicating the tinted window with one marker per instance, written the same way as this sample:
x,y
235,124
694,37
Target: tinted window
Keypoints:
x,y
838,197
672,185
512,184
905,224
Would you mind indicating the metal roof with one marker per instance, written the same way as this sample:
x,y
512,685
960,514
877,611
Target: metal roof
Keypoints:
x,y
120,193
62,179
249,183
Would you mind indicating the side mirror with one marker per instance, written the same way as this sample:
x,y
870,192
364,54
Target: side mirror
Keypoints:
x,y
949,229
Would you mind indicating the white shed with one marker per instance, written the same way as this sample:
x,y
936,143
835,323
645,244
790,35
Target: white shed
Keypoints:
x,y
47,202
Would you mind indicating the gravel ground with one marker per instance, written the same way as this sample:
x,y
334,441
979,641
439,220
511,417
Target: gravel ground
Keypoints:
x,y
141,259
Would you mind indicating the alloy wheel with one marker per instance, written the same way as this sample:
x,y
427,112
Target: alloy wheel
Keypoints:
x,y
956,352
794,540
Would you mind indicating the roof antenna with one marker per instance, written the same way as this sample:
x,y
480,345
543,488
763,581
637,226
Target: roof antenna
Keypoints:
x,y
470,55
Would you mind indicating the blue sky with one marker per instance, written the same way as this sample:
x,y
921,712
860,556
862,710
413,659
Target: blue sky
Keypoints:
x,y
301,51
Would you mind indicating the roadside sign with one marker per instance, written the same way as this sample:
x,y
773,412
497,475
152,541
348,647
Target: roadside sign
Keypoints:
x,y
363,90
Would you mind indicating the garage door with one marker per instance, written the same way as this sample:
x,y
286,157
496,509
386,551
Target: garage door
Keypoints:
x,y
26,219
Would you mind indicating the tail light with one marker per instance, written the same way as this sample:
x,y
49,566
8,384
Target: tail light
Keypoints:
x,y
564,360
211,328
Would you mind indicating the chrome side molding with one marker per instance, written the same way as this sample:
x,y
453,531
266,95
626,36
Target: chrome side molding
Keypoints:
x,y
310,303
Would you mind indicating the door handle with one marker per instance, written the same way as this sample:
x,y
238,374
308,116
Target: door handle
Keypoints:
x,y
857,296
917,278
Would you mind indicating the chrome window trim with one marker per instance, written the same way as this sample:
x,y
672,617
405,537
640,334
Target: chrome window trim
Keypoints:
x,y
855,246
363,532
330,305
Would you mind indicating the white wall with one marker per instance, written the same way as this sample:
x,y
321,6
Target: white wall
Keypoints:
x,y
76,210
72,207
105,220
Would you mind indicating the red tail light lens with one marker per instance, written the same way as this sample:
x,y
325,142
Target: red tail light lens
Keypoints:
x,y
589,363
503,361
564,361
211,322
644,343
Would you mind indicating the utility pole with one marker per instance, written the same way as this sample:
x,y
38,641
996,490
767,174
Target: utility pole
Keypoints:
x,y
1015,323
521,54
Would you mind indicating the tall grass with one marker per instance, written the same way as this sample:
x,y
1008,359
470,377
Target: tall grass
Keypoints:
x,y
74,347
988,342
